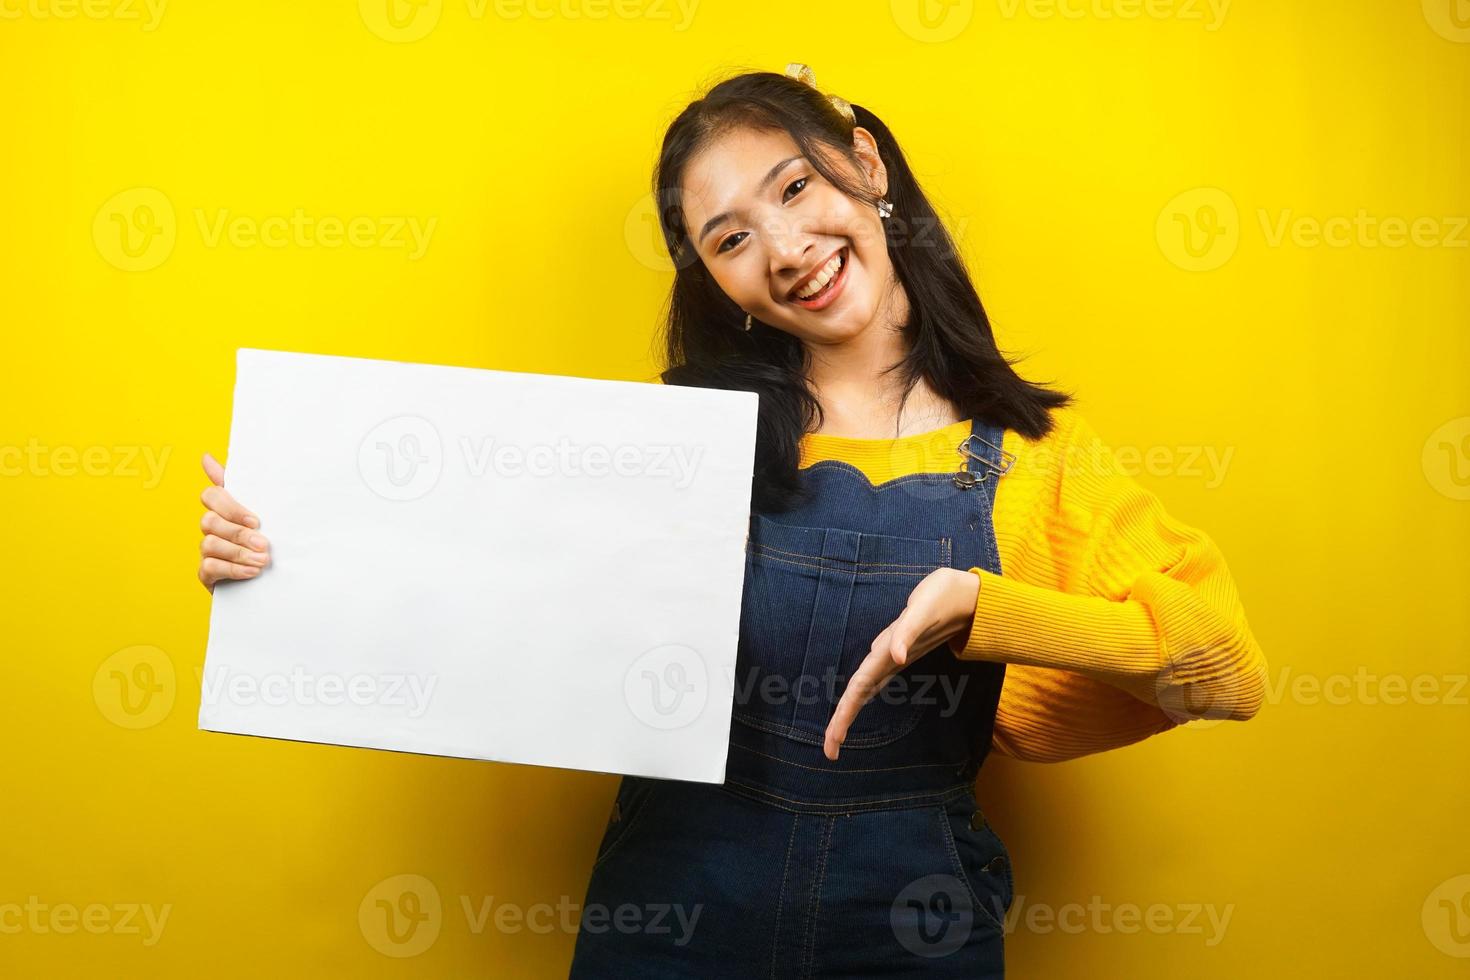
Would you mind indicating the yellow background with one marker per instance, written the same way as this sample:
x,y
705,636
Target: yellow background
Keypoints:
x,y
1071,146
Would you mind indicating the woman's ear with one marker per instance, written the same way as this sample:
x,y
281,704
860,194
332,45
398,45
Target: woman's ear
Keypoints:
x,y
866,148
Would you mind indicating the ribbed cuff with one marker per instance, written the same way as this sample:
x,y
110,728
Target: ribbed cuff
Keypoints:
x,y
1017,622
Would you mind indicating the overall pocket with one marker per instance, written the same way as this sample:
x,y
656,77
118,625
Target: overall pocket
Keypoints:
x,y
628,805
815,600
981,859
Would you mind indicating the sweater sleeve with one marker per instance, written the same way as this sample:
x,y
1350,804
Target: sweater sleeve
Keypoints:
x,y
1048,715
1127,623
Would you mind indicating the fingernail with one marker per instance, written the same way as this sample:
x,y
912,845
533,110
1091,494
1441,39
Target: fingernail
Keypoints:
x,y
252,521
258,542
251,572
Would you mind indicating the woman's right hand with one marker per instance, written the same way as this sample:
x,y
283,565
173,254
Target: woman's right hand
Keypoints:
x,y
232,547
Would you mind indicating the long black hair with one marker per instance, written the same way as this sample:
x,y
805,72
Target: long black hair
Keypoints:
x,y
948,335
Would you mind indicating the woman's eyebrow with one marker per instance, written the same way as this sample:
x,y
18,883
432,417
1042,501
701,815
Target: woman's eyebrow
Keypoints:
x,y
771,175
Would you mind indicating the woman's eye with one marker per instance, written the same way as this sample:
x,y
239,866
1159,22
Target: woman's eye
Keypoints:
x,y
795,187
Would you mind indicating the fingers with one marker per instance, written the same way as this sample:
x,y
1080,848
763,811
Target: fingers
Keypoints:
x,y
915,629
213,523
866,682
225,557
218,499
899,638
212,570
922,620
214,546
910,634
232,548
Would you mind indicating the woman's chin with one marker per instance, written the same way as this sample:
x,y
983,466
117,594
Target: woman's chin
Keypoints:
x,y
836,331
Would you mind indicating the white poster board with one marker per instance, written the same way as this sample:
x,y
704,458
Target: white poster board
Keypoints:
x,y
485,564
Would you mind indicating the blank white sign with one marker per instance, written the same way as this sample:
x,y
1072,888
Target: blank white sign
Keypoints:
x,y
485,564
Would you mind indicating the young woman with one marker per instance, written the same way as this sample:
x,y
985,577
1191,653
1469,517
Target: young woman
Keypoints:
x,y
901,465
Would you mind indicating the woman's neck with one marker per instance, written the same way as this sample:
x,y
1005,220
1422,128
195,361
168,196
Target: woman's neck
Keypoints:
x,y
856,413
858,400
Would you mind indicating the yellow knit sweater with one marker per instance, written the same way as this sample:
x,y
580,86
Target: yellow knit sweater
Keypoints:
x,y
1116,620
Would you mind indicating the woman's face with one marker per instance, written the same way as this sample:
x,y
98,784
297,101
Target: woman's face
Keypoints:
x,y
769,229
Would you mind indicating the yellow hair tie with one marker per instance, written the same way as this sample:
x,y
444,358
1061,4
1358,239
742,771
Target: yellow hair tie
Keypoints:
x,y
804,73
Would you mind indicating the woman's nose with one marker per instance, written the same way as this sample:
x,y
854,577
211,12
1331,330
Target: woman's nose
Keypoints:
x,y
788,252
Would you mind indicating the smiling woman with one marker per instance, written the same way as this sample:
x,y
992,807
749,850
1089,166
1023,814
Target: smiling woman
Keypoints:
x,y
901,615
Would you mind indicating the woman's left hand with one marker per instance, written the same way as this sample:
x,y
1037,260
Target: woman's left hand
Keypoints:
x,y
940,607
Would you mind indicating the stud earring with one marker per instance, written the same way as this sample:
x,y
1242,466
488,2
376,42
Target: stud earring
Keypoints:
x,y
747,323
885,208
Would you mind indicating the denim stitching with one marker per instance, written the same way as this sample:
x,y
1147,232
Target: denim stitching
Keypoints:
x,y
812,630
947,832
816,907
842,647
897,481
1009,865
995,434
781,895
827,563
798,765
762,548
851,806
871,740
645,791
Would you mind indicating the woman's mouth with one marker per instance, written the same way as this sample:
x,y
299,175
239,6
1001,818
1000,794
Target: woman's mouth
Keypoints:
x,y
835,271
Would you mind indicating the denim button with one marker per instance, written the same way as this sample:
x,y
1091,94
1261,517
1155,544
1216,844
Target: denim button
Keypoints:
x,y
997,864
977,820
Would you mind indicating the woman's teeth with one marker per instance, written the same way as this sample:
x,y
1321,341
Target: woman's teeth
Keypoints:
x,y
824,276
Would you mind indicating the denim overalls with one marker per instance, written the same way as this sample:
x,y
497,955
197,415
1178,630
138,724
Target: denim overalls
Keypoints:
x,y
878,864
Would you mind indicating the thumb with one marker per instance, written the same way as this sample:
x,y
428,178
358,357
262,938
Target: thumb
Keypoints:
x,y
900,640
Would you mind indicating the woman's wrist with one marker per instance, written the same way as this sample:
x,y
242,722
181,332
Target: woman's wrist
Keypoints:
x,y
965,594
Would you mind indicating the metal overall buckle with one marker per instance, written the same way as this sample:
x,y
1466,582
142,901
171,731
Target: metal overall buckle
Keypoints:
x,y
964,479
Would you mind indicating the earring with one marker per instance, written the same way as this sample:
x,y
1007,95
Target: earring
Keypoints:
x,y
747,323
885,208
